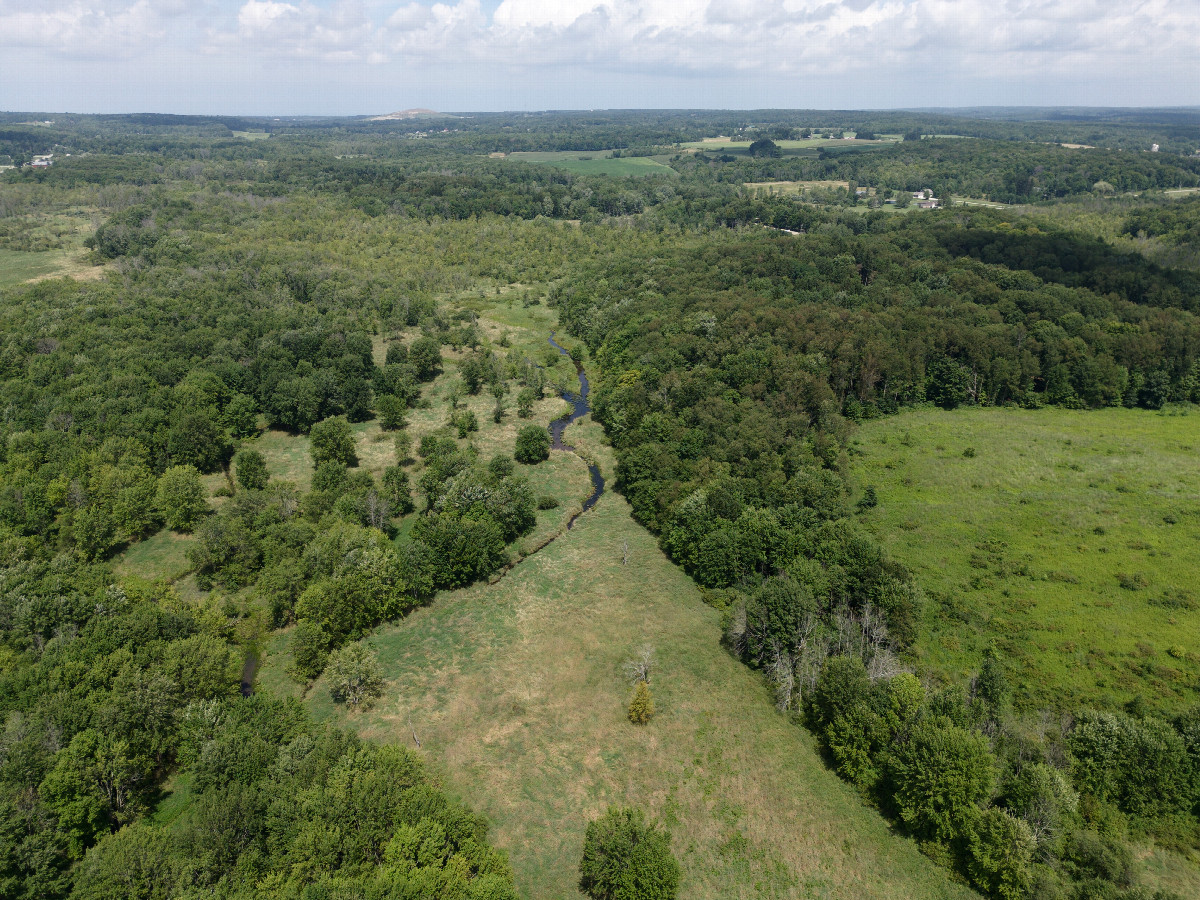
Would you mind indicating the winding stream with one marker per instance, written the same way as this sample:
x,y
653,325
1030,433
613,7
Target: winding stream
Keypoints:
x,y
579,408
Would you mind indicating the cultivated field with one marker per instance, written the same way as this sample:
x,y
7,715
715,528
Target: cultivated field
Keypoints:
x,y
1067,540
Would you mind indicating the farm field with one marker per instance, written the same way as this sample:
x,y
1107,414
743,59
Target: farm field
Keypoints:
x,y
1067,540
597,162
516,693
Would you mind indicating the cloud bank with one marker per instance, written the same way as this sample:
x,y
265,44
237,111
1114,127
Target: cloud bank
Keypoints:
x,y
996,51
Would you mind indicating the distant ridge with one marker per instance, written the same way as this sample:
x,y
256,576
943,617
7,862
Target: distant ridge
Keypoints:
x,y
408,114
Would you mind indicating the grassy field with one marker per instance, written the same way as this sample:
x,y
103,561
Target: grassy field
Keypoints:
x,y
517,694
806,144
253,135
793,188
972,201
596,162
17,266
162,556
56,249
1065,539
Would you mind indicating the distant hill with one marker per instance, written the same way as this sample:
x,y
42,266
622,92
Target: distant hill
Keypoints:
x,y
409,114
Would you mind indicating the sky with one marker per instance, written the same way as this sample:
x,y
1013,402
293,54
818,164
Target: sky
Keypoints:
x,y
357,57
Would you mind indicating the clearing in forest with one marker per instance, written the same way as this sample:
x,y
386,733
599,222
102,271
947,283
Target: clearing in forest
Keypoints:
x,y
759,188
1065,539
517,693
595,162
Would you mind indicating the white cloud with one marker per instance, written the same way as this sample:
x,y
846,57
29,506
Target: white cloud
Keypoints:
x,y
258,17
83,29
889,42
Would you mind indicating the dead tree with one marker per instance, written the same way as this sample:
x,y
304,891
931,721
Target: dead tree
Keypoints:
x,y
639,668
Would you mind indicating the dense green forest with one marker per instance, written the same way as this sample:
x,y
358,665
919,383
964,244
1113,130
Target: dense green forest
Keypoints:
x,y
317,285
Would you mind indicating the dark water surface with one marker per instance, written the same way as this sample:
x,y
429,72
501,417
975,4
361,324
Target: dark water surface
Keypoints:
x,y
579,408
248,669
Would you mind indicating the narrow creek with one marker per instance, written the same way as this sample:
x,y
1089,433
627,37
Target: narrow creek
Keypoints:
x,y
579,408
249,667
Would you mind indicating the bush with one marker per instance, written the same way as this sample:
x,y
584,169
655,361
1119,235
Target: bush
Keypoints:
x,y
501,466
533,445
403,445
391,411
332,440
354,674
464,421
641,707
776,616
624,858
180,498
396,490
251,469
545,501
310,649
525,400
1001,855
425,355
940,775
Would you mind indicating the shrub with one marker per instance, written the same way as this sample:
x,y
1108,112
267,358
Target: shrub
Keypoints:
x,y
501,466
425,354
391,411
403,444
1001,855
533,445
396,490
940,774
332,440
180,498
464,421
869,499
641,707
545,501
310,649
251,469
354,674
626,858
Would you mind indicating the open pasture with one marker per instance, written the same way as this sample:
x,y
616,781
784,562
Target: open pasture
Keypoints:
x,y
596,162
516,692
1066,540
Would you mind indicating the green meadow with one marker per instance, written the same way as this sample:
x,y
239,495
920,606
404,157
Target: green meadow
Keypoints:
x,y
1065,540
517,695
596,162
